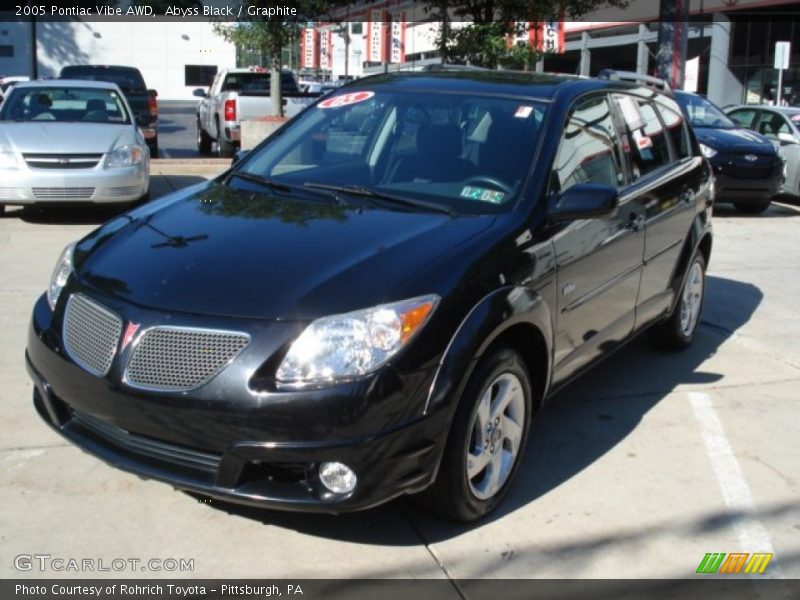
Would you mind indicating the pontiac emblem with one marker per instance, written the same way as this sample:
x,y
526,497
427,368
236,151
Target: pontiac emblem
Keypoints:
x,y
750,157
130,332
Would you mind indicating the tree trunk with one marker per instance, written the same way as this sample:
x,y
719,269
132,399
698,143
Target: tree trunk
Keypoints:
x,y
275,79
445,31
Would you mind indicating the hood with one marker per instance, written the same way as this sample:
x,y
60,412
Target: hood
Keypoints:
x,y
217,251
734,141
74,138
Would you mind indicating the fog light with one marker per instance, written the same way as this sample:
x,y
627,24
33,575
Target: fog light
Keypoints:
x,y
337,477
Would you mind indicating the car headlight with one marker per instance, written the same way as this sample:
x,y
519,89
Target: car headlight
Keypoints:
x,y
349,345
61,273
8,160
124,156
707,151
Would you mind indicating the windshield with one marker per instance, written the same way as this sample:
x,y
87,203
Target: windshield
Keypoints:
x,y
129,80
64,104
703,113
468,153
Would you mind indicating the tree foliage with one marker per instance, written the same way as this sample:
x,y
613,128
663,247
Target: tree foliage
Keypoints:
x,y
490,24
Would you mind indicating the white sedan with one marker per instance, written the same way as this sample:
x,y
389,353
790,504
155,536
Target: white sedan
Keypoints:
x,y
64,141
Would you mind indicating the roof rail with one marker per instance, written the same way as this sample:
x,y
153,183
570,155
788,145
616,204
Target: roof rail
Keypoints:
x,y
614,75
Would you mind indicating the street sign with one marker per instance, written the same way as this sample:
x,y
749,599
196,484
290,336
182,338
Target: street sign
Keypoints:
x,y
782,50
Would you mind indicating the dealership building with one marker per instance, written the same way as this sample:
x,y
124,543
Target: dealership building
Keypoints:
x,y
730,46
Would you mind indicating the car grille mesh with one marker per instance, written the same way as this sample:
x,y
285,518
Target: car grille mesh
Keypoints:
x,y
174,358
91,334
62,161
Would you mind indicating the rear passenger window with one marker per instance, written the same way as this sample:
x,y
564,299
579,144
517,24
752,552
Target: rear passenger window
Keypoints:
x,y
675,124
645,141
589,152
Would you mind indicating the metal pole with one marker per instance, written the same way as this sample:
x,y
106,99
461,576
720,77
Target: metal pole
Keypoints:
x,y
779,94
34,53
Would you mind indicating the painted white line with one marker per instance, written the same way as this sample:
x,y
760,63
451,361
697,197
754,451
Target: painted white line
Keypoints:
x,y
753,536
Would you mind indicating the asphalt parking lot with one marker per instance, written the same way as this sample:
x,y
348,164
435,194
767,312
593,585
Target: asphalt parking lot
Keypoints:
x,y
636,471
177,130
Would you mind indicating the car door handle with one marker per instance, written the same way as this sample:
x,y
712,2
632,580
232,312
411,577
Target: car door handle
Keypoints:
x,y
687,195
636,221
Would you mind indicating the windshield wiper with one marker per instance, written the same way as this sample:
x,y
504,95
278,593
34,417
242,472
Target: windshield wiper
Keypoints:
x,y
271,183
359,190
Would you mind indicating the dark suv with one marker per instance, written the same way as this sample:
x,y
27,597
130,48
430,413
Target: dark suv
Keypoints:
x,y
376,300
129,79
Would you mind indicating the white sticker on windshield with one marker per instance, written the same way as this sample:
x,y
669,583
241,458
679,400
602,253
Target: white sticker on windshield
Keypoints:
x,y
523,112
345,99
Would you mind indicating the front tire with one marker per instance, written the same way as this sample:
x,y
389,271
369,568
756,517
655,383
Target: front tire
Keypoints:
x,y
678,331
486,441
753,208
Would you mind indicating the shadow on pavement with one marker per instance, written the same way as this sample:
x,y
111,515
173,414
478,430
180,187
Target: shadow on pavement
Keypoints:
x,y
96,214
775,211
577,427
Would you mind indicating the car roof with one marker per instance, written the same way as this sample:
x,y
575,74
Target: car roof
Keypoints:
x,y
786,110
84,83
101,67
542,86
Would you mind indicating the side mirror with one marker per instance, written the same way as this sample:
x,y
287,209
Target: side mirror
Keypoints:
x,y
238,156
199,93
584,201
786,138
152,93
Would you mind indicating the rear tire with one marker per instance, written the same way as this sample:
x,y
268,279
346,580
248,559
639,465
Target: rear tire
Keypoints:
x,y
678,331
203,140
753,208
153,146
486,440
224,148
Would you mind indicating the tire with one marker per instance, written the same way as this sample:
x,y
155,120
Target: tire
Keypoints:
x,y
224,148
455,494
753,208
153,148
678,331
203,140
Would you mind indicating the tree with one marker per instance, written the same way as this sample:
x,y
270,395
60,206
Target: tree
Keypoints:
x,y
271,35
484,40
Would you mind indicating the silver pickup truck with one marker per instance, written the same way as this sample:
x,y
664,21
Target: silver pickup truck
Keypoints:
x,y
236,95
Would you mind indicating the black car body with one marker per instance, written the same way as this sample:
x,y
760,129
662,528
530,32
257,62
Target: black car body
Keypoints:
x,y
748,170
129,79
527,227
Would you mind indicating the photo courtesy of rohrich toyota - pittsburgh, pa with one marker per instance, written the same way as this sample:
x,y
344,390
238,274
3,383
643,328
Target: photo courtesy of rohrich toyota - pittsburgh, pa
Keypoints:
x,y
345,299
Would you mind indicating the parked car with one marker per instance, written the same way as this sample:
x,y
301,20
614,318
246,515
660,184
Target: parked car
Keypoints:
x,y
6,83
65,141
376,301
747,168
236,95
780,125
141,99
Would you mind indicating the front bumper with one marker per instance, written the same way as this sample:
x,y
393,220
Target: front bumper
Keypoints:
x,y
222,441
26,185
737,179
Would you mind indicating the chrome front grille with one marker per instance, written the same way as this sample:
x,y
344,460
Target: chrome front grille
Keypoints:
x,y
127,190
62,161
91,334
63,193
179,359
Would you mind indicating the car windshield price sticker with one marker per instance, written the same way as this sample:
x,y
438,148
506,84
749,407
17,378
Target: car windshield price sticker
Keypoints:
x,y
345,99
523,112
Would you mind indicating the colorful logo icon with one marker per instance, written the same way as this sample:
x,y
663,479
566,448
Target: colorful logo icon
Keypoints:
x,y
734,563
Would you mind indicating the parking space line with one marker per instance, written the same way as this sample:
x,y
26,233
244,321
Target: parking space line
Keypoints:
x,y
752,534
